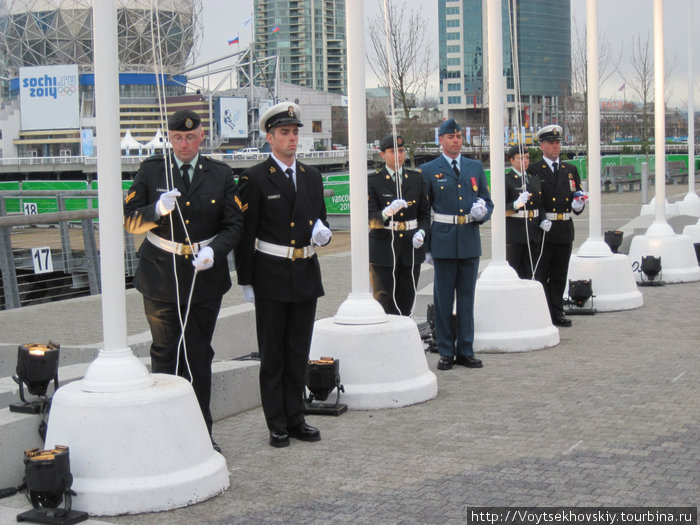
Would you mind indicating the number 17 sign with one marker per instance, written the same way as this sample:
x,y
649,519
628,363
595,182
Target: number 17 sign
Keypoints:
x,y
42,260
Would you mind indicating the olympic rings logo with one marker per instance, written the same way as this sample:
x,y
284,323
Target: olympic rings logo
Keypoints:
x,y
67,90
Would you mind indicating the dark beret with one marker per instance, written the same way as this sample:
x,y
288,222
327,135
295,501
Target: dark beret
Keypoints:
x,y
184,120
449,126
515,150
388,142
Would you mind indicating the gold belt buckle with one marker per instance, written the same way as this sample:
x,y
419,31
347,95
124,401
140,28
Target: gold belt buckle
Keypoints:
x,y
186,250
461,219
560,216
297,253
400,226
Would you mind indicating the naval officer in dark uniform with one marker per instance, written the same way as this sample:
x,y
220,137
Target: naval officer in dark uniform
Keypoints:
x,y
188,207
461,202
524,216
285,220
561,195
399,217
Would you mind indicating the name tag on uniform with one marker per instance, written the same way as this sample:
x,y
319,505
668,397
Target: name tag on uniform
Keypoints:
x,y
162,190
270,197
387,195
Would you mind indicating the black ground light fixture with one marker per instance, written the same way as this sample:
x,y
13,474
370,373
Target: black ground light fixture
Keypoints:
x,y
697,251
613,238
651,268
37,366
322,377
579,294
48,484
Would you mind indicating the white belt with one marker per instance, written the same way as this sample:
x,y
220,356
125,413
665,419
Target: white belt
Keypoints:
x,y
401,226
521,214
452,219
177,248
558,216
288,252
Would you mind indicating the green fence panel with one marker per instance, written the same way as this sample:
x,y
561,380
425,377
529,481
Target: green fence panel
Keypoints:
x,y
339,202
11,205
48,204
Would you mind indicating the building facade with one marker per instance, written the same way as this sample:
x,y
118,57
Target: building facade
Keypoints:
x,y
308,37
543,48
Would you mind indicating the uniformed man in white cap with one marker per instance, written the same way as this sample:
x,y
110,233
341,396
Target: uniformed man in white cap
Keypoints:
x,y
561,195
284,221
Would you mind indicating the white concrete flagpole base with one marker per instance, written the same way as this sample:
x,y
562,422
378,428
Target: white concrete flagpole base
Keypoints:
x,y
382,365
510,314
690,205
116,371
360,309
650,209
611,275
693,231
678,261
137,451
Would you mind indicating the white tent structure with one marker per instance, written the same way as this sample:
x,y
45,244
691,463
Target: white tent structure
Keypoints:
x,y
157,142
128,143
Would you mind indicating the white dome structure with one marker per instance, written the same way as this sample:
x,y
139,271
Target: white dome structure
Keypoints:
x,y
55,32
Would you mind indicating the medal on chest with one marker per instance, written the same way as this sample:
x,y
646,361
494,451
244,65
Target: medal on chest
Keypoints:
x,y
474,185
572,183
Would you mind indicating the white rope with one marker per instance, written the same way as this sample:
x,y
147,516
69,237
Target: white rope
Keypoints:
x,y
157,56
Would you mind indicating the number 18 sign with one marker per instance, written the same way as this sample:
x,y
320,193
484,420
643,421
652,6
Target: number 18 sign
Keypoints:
x,y
42,260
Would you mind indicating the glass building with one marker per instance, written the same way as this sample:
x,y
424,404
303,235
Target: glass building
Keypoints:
x,y
543,29
308,36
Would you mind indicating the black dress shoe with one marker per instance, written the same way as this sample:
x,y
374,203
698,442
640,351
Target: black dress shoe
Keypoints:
x,y
560,320
304,432
279,438
469,361
445,363
214,445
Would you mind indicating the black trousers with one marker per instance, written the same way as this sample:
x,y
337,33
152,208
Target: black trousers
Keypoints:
x,y
284,339
395,283
552,272
164,321
518,256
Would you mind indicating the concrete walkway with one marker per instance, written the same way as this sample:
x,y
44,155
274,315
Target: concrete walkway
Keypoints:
x,y
609,417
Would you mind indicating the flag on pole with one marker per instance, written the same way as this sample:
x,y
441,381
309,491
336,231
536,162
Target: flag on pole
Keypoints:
x,y
276,29
247,22
234,40
621,87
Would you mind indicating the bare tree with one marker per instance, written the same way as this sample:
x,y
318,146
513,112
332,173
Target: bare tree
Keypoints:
x,y
608,63
640,80
402,62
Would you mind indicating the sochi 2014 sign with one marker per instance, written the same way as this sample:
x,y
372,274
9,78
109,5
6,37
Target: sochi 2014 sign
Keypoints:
x,y
49,97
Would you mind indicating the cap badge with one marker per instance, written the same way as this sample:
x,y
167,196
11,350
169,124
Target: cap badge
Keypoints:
x,y
290,112
189,123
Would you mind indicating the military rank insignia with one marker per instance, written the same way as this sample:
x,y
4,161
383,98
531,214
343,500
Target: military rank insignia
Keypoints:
x,y
475,187
130,196
439,175
272,169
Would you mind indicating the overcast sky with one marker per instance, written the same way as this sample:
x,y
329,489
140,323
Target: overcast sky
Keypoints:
x,y
619,20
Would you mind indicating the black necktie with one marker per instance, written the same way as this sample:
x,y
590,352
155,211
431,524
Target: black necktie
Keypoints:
x,y
555,168
290,178
184,169
455,167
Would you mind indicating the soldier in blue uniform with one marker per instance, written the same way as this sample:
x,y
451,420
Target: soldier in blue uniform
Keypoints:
x,y
285,220
561,195
399,217
461,202
197,234
524,216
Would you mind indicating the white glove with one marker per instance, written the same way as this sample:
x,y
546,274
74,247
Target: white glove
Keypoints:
x,y
429,259
248,293
521,200
204,259
577,205
166,202
479,210
394,207
418,239
321,235
546,225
